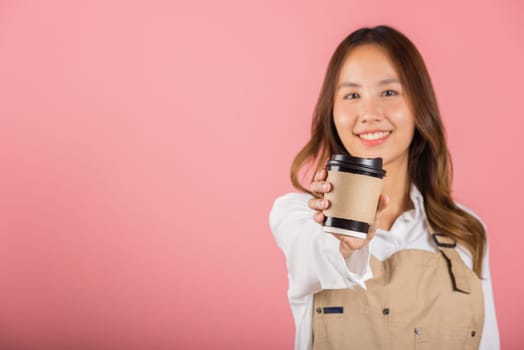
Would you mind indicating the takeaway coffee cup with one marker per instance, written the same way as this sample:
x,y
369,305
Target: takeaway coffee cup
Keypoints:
x,y
356,188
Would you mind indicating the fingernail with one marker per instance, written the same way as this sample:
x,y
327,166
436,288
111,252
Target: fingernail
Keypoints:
x,y
325,187
322,203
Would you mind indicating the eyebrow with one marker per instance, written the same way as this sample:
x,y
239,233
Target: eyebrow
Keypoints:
x,y
382,82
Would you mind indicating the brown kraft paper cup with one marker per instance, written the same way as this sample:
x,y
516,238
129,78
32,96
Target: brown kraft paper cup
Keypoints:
x,y
356,188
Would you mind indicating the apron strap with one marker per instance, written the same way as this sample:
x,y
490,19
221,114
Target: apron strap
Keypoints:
x,y
457,269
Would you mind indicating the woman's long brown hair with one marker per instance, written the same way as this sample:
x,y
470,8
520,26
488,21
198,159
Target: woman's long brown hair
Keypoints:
x,y
430,167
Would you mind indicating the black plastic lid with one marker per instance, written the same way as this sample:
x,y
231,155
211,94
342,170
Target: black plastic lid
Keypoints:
x,y
366,166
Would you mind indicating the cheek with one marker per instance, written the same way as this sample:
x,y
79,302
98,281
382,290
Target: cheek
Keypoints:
x,y
402,118
344,120
409,126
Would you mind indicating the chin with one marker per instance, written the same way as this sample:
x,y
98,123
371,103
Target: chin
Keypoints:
x,y
369,154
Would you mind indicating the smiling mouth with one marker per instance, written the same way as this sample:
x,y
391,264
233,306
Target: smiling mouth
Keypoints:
x,y
373,136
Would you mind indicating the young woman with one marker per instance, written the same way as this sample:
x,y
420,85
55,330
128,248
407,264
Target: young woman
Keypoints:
x,y
421,279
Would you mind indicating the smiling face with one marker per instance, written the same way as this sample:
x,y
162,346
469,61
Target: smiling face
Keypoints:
x,y
372,112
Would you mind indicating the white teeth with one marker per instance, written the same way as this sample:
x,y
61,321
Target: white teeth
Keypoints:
x,y
375,136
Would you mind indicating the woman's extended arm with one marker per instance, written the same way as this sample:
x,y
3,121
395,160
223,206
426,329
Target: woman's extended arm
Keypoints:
x,y
314,261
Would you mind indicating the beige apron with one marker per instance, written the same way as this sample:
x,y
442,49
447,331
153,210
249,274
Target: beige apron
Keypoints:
x,y
415,300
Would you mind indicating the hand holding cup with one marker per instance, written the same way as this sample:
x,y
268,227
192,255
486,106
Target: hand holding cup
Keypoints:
x,y
320,186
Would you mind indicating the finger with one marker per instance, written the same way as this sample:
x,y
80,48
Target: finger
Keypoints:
x,y
320,175
319,218
320,186
318,203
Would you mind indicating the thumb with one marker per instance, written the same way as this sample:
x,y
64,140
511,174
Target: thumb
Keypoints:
x,y
382,204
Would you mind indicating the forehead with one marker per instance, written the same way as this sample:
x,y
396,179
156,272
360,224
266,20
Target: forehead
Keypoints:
x,y
367,62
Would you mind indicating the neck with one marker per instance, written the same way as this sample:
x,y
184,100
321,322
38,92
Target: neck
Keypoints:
x,y
397,186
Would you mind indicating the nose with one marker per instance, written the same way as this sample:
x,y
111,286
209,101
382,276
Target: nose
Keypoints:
x,y
371,111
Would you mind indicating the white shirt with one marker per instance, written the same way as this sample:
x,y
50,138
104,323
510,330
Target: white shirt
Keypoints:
x,y
314,261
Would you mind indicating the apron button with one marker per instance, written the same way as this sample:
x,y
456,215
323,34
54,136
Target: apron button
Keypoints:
x,y
418,331
385,311
318,310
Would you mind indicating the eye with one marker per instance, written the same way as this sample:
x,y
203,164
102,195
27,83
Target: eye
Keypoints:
x,y
351,96
389,93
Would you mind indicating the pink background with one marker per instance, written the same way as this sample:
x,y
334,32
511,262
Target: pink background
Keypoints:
x,y
142,144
